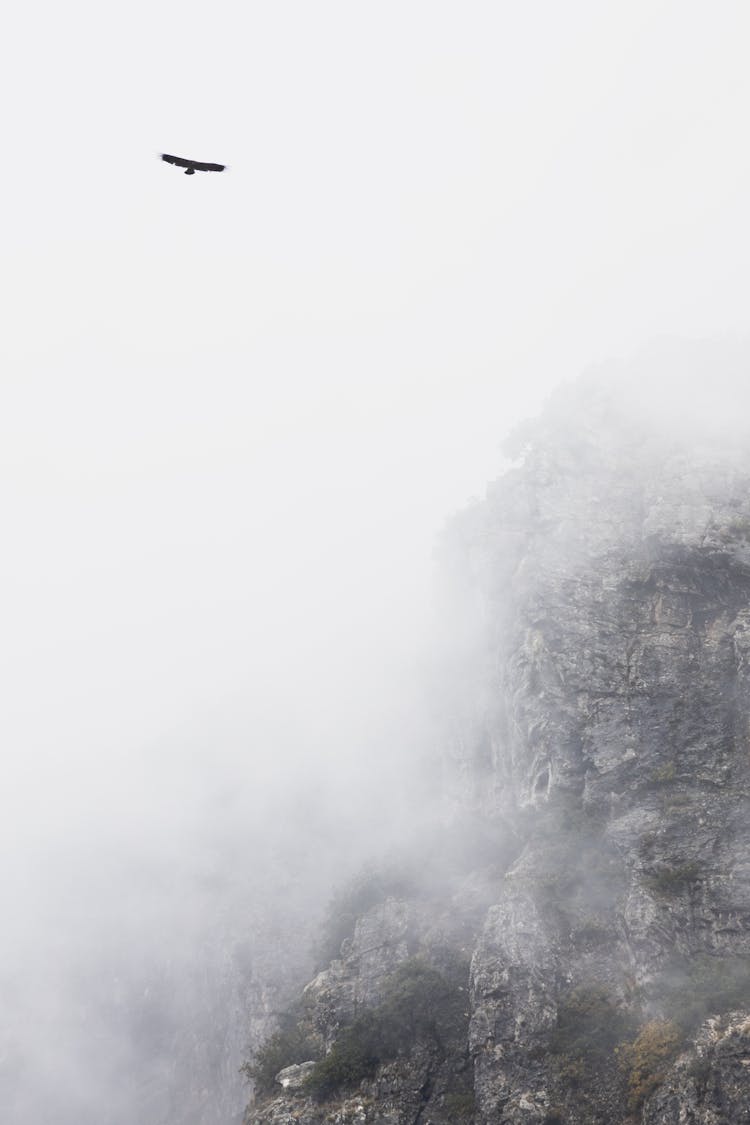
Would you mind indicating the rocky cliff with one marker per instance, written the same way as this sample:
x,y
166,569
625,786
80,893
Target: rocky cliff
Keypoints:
x,y
588,959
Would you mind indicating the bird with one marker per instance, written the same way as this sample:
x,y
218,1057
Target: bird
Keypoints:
x,y
192,166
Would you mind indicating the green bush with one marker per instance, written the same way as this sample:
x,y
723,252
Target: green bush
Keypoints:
x,y
590,1024
291,1044
419,1004
356,1055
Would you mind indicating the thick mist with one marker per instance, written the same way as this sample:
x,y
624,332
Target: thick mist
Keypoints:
x,y
234,417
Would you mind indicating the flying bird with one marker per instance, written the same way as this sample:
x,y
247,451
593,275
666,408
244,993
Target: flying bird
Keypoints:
x,y
192,166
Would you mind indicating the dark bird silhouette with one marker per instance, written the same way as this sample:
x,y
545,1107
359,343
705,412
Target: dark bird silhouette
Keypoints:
x,y
192,166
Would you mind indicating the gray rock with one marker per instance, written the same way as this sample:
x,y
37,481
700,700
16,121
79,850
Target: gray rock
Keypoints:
x,y
710,1083
607,718
293,1077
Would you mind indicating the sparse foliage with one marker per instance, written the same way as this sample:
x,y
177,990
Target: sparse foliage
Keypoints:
x,y
646,1060
590,1024
420,1004
354,1056
292,1043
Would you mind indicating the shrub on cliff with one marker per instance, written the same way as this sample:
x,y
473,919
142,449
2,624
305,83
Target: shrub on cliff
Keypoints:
x,y
590,1024
292,1043
355,1055
419,1005
645,1061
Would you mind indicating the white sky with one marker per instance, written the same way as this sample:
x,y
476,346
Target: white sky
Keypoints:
x,y
236,409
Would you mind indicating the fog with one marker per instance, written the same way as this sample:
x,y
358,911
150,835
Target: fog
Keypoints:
x,y
236,412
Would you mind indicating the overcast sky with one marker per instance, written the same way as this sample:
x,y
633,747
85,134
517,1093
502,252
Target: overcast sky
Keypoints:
x,y
236,409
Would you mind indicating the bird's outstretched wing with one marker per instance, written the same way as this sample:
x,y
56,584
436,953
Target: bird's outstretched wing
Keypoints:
x,y
199,165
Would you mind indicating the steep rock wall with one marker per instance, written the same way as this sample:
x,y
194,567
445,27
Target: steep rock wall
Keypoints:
x,y
607,727
620,724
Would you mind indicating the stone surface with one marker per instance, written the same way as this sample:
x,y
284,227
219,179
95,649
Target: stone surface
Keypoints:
x,y
709,1084
607,580
293,1077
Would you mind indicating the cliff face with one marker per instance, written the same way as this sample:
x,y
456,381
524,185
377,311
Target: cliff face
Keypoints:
x,y
620,723
609,935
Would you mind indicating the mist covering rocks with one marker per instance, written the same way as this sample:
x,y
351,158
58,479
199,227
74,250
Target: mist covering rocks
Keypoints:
x,y
522,897
596,699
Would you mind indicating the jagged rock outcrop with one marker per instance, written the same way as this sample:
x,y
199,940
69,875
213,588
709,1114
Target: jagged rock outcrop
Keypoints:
x,y
610,976
709,1084
619,721
431,1079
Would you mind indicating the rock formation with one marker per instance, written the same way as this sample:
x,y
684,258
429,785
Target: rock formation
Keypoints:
x,y
599,944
